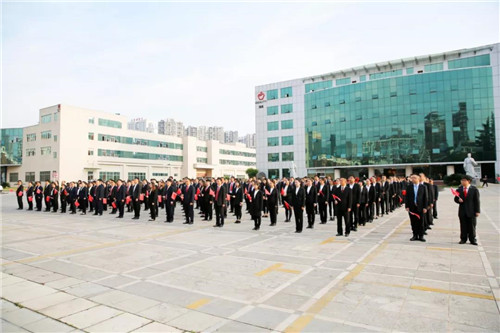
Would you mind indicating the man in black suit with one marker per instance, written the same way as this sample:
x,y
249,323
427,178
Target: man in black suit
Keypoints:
x,y
436,195
120,198
323,195
272,202
298,203
99,196
136,193
73,196
237,201
256,205
220,203
168,191
46,193
38,196
188,201
355,205
343,203
468,210
331,202
29,195
19,194
416,203
372,195
311,203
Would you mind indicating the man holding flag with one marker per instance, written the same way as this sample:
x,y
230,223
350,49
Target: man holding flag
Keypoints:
x,y
467,196
416,202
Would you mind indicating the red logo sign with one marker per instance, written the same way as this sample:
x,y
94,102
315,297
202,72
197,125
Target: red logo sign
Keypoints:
x,y
261,96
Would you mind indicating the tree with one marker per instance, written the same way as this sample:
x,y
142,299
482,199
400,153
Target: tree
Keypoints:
x,y
485,139
252,172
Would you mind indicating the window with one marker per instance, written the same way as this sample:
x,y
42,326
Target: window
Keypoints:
x,y
394,94
31,137
236,153
200,148
110,123
29,176
362,78
202,160
287,124
481,60
340,82
287,156
272,110
273,125
140,175
160,174
13,177
107,175
30,151
46,134
91,120
90,152
271,142
234,162
273,173
433,67
46,118
273,157
310,87
287,108
55,138
285,172
138,155
409,70
383,75
45,151
91,136
287,140
286,92
55,154
44,175
90,175
272,94
56,116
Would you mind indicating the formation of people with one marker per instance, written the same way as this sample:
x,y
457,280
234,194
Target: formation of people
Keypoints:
x,y
351,202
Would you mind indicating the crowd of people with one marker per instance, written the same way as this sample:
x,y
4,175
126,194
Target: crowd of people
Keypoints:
x,y
351,202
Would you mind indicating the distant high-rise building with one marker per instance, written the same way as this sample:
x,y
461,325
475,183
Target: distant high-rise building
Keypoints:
x,y
216,133
138,124
230,136
248,140
171,127
202,133
191,131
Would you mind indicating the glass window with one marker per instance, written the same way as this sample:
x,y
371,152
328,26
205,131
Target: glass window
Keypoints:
x,y
340,82
91,136
286,92
235,162
54,154
272,110
310,87
287,124
29,176
409,70
287,156
46,118
272,94
273,173
202,160
138,155
383,75
31,137
433,67
271,142
481,60
285,172
273,125
202,149
90,152
287,140
133,175
46,134
91,120
56,116
110,123
236,153
13,177
30,151
44,175
273,157
45,150
109,175
287,108
55,138
362,78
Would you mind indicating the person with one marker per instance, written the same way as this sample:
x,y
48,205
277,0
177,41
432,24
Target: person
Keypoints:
x,y
311,203
169,190
19,194
298,203
416,203
343,202
188,201
331,206
83,198
54,197
256,206
46,194
73,197
219,203
436,195
363,202
63,197
29,195
237,201
355,204
323,195
136,193
372,194
272,202
153,201
468,209
38,195
286,195
99,196
120,198
485,180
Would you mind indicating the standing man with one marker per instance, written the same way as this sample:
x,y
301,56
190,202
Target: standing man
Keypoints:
x,y
19,194
416,202
188,201
343,202
436,195
99,196
46,193
256,206
468,210
29,195
323,194
311,203
237,201
136,193
272,202
298,203
38,196
220,204
355,206
120,198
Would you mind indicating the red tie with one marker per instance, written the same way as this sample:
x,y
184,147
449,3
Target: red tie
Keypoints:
x,y
465,192
217,194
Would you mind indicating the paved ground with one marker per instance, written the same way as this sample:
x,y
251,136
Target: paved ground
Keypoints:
x,y
69,272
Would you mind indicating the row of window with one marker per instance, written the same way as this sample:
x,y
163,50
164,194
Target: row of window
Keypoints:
x,y
236,153
29,176
200,148
138,155
202,160
107,175
284,92
48,118
274,125
275,173
233,162
275,141
44,135
108,123
275,157
285,108
135,141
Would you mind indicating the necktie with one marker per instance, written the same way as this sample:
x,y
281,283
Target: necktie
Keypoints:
x,y
465,192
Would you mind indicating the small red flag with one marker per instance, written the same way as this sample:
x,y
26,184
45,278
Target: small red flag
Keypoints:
x,y
282,191
404,192
287,206
196,197
91,198
249,197
47,198
246,191
55,191
30,199
20,193
141,197
228,197
179,191
336,197
77,204
38,191
212,193
128,199
104,201
160,198
113,204
174,195
197,191
400,199
412,213
320,192
267,192
455,192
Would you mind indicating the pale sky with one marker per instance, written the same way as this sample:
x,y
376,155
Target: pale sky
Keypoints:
x,y
200,62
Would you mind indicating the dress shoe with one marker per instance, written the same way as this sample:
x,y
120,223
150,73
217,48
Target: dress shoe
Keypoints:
x,y
422,239
237,222
119,217
414,238
186,223
309,227
150,220
355,229
461,242
347,234
474,243
298,232
135,218
338,235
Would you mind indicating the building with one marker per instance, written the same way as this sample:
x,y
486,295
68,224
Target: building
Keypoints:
x,y
171,127
191,131
420,114
230,136
101,146
248,140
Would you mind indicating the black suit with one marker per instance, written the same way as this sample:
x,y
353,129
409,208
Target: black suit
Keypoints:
x,y
436,195
298,203
82,198
354,214
136,193
237,202
467,211
311,202
188,203
99,196
29,197
219,201
169,202
256,207
46,193
272,204
39,197
120,200
323,195
372,197
343,206
417,207
20,190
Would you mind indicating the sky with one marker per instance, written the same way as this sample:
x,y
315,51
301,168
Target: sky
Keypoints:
x,y
200,62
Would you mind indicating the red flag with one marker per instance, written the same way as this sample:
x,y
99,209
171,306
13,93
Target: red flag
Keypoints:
x,y
196,197
455,192
38,191
30,199
212,193
400,199
65,192
282,191
160,198
113,204
128,199
246,192
320,192
336,197
91,198
198,191
228,197
249,197
47,198
267,192
104,201
179,191
287,206
141,197
412,213
404,192
20,193
174,195
77,204
55,191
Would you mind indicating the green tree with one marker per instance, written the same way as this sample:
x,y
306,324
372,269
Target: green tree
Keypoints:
x,y
485,139
252,172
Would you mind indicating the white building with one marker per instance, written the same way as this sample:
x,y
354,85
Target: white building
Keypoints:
x,y
171,127
71,143
230,136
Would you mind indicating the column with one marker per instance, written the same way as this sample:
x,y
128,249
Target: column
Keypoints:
x,y
371,172
408,170
450,170
336,173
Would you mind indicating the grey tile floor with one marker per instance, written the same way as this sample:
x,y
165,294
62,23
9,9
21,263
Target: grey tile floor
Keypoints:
x,y
63,273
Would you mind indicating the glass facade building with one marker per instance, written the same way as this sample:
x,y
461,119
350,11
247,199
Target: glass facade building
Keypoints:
x,y
11,150
418,114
